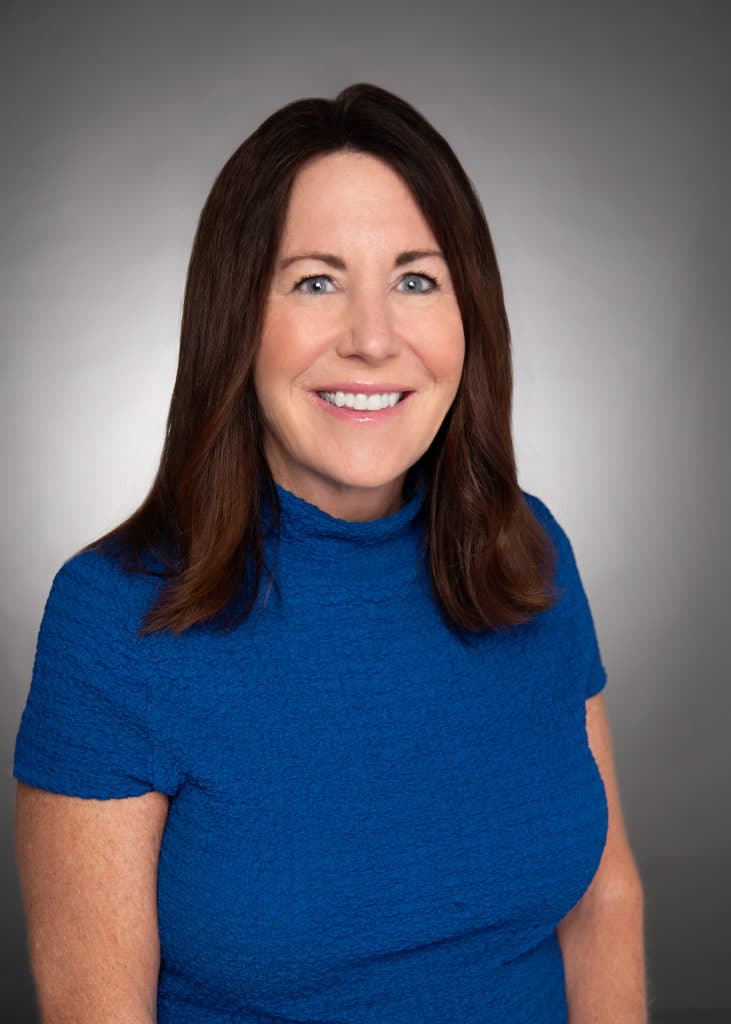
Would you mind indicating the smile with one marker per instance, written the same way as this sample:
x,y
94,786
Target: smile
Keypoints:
x,y
358,400
356,407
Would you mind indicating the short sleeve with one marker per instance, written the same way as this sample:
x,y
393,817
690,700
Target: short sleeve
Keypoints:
x,y
579,629
595,677
85,729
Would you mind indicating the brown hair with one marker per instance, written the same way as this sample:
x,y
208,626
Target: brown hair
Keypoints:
x,y
491,561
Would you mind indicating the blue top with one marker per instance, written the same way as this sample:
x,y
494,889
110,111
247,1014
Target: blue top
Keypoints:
x,y
370,821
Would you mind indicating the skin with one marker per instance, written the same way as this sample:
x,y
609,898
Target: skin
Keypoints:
x,y
88,880
370,322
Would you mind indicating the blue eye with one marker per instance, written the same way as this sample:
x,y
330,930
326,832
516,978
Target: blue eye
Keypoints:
x,y
312,277
326,277
427,277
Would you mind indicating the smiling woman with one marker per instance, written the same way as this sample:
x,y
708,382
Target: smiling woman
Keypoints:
x,y
371,791
364,336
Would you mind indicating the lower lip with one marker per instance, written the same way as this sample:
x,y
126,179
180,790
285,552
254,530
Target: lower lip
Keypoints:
x,y
361,415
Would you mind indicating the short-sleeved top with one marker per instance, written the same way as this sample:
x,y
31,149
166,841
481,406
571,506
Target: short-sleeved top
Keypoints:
x,y
372,820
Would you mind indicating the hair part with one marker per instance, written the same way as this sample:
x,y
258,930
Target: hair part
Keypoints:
x,y
491,562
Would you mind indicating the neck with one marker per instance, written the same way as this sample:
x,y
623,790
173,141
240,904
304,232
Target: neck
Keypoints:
x,y
342,501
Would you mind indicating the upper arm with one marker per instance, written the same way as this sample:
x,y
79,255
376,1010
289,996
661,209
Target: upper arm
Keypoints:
x,y
94,781
617,874
88,878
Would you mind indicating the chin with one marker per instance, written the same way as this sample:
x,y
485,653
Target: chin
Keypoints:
x,y
363,481
365,478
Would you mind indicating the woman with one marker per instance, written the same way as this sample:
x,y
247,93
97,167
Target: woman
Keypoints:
x,y
317,733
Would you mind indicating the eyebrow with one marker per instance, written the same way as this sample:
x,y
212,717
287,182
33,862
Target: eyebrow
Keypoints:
x,y
335,261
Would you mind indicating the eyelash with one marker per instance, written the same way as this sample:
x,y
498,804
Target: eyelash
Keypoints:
x,y
412,273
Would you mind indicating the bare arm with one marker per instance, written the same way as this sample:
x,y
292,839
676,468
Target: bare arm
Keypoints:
x,y
602,937
88,878
603,953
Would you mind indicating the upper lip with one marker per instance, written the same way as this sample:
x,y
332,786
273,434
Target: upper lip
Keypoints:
x,y
364,389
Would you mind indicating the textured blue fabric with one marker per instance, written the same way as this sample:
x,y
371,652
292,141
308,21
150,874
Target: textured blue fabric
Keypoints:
x,y
370,820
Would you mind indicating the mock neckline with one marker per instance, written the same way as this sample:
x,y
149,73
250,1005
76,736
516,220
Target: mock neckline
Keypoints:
x,y
301,520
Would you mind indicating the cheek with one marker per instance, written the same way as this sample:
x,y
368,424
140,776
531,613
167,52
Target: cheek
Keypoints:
x,y
445,360
286,348
456,352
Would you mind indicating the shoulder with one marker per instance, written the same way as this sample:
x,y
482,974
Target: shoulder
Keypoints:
x,y
572,609
566,568
545,517
90,726
90,572
91,580
536,505
92,597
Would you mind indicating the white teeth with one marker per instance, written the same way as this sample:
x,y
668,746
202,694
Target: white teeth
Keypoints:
x,y
360,401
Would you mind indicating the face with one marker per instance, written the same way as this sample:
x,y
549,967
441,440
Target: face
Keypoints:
x,y
364,317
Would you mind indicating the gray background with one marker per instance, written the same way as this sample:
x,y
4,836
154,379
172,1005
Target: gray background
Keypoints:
x,y
597,137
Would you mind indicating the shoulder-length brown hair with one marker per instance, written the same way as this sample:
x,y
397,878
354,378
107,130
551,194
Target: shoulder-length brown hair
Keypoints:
x,y
491,562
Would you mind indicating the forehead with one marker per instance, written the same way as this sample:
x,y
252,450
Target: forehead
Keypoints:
x,y
353,196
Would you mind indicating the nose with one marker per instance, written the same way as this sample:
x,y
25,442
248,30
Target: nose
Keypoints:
x,y
368,331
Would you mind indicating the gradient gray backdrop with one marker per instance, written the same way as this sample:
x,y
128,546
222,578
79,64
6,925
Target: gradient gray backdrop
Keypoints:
x,y
597,137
